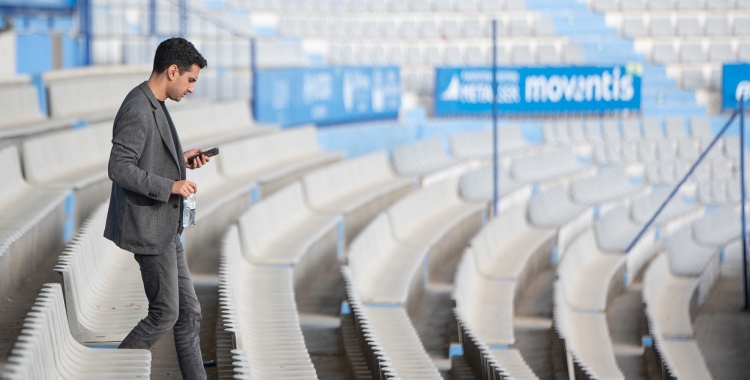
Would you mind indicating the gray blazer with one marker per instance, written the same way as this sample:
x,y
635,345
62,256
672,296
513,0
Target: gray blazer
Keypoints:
x,y
143,215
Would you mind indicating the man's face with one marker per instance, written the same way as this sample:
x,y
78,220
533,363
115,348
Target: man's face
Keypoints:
x,y
182,84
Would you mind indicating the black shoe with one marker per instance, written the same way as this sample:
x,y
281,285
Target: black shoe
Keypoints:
x,y
209,363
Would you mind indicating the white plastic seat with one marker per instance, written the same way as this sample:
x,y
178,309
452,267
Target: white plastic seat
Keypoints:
x,y
633,27
674,128
686,257
720,4
358,189
553,208
391,341
631,131
587,339
718,228
722,52
421,158
662,4
102,283
546,166
573,53
258,309
478,144
518,27
476,186
688,26
692,78
32,226
664,53
274,160
661,27
605,5
606,186
652,129
46,350
382,270
283,230
742,26
544,27
692,52
547,55
450,29
521,55
718,26
593,131
486,306
509,246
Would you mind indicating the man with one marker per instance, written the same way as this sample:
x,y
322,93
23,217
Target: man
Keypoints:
x,y
147,169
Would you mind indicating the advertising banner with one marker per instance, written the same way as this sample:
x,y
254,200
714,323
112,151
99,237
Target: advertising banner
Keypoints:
x,y
468,90
326,95
735,83
43,4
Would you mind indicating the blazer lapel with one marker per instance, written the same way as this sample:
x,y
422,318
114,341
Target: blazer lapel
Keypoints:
x,y
162,125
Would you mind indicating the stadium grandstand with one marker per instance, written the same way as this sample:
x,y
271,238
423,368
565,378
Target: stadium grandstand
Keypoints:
x,y
406,189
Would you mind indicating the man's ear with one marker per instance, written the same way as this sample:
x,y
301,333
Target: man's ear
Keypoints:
x,y
173,72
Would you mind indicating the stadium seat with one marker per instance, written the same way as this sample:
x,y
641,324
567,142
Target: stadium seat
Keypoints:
x,y
606,186
283,230
390,341
422,158
718,26
102,285
358,188
33,227
688,26
265,326
478,144
586,336
275,160
438,218
486,306
46,350
669,301
545,166
477,186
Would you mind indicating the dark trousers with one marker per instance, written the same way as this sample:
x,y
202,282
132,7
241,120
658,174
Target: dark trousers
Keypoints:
x,y
172,304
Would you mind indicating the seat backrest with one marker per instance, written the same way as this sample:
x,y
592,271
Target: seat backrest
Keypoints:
x,y
610,227
718,228
595,189
13,183
254,154
369,248
631,131
51,155
265,220
686,257
542,204
19,102
412,157
412,211
545,165
674,128
326,184
610,129
501,232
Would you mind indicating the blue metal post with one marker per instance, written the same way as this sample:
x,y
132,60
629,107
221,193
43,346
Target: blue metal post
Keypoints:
x,y
85,28
684,178
495,163
183,18
152,18
253,86
742,197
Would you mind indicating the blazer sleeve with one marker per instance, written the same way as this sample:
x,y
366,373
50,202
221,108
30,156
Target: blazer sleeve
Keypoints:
x,y
128,142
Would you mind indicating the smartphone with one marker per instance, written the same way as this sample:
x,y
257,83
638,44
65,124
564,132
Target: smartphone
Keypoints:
x,y
208,153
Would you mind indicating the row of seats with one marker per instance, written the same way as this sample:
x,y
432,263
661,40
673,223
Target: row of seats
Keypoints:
x,y
642,5
289,237
99,90
326,6
33,222
527,52
259,310
681,24
88,150
46,349
428,28
694,51
677,283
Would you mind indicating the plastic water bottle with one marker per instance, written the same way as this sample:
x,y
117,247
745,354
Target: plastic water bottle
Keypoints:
x,y
188,212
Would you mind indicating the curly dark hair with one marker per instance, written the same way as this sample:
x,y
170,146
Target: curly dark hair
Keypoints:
x,y
177,51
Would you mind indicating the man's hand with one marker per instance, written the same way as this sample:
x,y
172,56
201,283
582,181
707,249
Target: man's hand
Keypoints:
x,y
184,188
197,161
